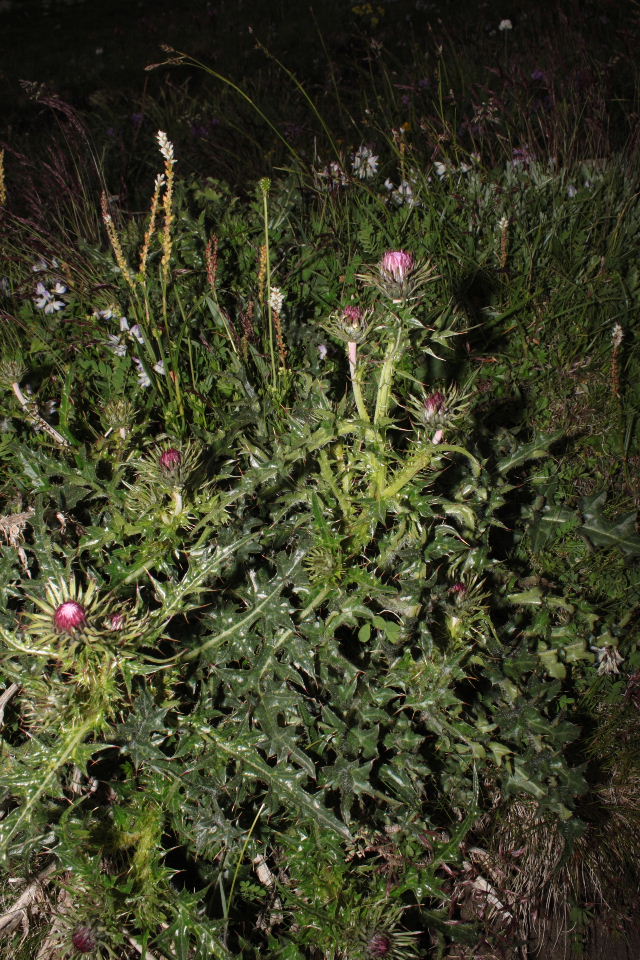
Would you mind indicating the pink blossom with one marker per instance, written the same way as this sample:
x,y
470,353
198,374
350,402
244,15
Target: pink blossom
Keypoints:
x,y
397,265
69,616
353,314
434,404
84,939
170,460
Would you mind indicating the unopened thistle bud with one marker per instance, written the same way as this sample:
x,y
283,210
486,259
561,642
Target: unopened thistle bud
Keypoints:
x,y
171,460
84,939
69,616
379,945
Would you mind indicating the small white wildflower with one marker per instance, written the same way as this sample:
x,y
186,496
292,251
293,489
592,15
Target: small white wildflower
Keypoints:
x,y
45,300
136,332
42,296
464,168
124,325
60,288
114,343
609,660
336,174
571,191
159,368
389,185
503,223
505,25
276,299
364,163
40,266
322,351
617,334
166,147
440,168
103,314
143,377
159,181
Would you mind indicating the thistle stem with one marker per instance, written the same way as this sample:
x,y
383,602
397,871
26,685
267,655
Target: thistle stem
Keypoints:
x,y
352,353
386,378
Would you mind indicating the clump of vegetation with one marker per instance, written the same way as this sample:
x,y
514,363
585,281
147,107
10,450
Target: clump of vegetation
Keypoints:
x,y
319,606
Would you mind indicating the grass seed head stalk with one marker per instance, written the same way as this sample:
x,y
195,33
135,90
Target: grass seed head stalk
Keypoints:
x,y
114,240
276,298
3,185
211,259
617,337
153,212
265,186
503,224
166,149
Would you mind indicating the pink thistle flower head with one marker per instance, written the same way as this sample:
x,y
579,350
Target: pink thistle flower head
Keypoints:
x,y
84,939
379,945
396,265
69,616
434,404
459,589
170,460
353,314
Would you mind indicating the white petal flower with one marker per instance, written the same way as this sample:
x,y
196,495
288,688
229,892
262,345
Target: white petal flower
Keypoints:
x,y
54,305
322,351
124,324
166,147
42,296
143,377
40,266
505,25
159,368
136,332
440,168
276,299
609,660
60,288
114,343
364,163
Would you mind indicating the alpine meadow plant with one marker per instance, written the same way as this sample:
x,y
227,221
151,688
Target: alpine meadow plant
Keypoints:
x,y
285,668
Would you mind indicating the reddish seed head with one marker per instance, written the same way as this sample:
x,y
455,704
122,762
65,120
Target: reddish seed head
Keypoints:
x,y
69,616
379,945
84,939
171,459
396,264
117,622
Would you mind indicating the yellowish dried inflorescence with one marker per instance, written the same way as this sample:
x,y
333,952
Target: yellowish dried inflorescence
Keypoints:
x,y
166,149
155,200
114,239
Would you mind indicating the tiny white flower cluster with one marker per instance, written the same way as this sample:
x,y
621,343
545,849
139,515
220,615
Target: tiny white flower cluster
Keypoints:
x,y
118,344
47,299
505,25
143,377
276,299
364,163
609,660
41,266
402,194
617,335
166,147
442,169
